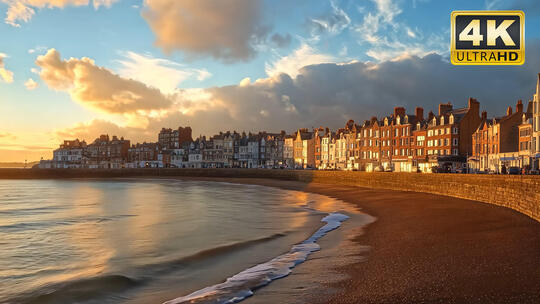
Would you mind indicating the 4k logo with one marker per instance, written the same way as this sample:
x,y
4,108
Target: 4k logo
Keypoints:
x,y
488,38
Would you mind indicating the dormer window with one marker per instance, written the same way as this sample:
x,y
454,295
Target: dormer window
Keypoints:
x,y
442,120
434,121
398,120
451,119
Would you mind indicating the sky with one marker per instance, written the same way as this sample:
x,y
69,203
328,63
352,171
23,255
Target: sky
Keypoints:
x,y
80,68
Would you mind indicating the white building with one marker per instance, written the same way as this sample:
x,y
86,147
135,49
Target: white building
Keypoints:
x,y
70,154
253,152
536,126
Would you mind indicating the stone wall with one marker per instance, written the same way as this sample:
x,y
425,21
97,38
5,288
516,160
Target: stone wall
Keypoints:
x,y
521,193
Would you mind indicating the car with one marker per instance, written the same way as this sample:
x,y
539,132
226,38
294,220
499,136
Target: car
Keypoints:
x,y
514,171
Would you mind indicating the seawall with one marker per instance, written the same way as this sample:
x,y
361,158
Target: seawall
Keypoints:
x,y
521,193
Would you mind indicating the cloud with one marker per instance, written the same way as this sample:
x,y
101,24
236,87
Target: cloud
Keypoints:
x,y
386,38
291,64
98,87
37,49
30,84
334,22
23,10
5,74
166,75
329,94
4,135
281,41
225,30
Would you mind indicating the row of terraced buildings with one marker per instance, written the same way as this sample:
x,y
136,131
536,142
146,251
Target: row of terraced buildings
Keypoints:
x,y
450,140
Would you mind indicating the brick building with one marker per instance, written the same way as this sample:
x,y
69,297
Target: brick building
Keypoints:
x,y
496,141
107,153
174,139
143,155
525,130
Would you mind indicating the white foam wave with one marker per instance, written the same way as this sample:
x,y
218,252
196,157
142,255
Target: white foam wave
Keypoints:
x,y
241,285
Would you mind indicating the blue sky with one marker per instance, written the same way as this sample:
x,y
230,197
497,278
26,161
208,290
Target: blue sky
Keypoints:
x,y
203,88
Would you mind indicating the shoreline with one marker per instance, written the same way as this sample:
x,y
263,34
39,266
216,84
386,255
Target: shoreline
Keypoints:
x,y
518,192
428,248
431,249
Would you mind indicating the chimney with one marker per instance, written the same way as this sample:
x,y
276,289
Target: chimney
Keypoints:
x,y
484,115
445,108
509,111
419,113
474,104
519,106
431,115
399,111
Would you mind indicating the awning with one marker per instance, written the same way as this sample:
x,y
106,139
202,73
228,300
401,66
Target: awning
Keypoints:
x,y
507,158
537,155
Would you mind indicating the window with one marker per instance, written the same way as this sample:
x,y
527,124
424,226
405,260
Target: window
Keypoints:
x,y
454,141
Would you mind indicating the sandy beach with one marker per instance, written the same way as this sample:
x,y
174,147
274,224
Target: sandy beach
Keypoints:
x,y
433,249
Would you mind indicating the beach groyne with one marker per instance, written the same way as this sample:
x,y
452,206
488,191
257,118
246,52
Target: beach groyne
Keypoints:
x,y
521,193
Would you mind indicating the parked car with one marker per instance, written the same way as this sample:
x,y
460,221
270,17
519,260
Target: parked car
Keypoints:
x,y
514,171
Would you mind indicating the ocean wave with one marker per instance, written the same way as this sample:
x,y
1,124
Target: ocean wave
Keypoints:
x,y
36,225
93,288
242,285
172,265
79,290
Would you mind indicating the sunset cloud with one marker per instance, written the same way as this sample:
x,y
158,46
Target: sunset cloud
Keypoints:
x,y
98,87
225,30
163,74
291,64
23,10
5,135
30,84
5,74
327,94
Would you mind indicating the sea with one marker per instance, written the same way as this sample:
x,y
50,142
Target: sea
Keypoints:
x,y
146,240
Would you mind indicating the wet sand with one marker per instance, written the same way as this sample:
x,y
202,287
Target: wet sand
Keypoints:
x,y
426,248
